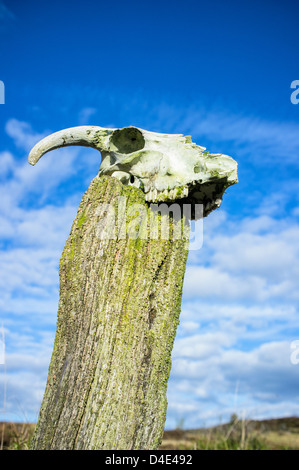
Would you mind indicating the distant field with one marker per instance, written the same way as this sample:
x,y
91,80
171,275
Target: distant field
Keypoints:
x,y
272,434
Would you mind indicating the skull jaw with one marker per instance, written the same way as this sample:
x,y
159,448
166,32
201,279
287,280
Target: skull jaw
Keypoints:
x,y
208,194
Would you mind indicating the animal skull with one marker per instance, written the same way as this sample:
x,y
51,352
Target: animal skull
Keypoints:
x,y
166,167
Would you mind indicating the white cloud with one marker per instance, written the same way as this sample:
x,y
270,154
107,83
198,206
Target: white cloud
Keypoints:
x,y
22,134
214,283
269,254
257,258
189,326
53,170
254,382
262,140
256,140
204,310
202,345
25,373
31,241
85,114
32,226
241,289
7,164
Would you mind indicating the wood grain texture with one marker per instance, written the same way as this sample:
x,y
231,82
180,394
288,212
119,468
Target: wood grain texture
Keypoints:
x,y
118,312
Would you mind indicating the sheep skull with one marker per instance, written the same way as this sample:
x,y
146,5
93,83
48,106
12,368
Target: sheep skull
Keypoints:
x,y
166,167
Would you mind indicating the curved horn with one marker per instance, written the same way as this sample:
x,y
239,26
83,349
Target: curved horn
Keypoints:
x,y
86,136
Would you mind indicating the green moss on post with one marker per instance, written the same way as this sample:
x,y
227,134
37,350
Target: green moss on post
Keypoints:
x,y
118,313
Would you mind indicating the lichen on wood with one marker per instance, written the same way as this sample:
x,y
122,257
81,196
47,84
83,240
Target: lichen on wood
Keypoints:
x,y
118,312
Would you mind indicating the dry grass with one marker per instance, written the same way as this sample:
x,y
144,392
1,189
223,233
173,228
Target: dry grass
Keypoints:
x,y
283,439
275,434
16,436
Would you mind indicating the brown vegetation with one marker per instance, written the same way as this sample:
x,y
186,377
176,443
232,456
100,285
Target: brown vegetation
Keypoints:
x,y
271,434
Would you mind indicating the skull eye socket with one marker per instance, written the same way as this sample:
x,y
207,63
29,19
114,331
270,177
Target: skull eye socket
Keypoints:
x,y
127,140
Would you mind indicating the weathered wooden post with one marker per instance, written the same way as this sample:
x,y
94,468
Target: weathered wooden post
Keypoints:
x,y
121,279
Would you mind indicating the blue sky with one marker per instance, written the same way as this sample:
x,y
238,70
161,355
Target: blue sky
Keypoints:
x,y
219,71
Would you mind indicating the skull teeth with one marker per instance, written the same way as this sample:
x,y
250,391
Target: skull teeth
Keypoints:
x,y
167,194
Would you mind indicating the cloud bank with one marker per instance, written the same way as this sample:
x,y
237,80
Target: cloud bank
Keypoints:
x,y
240,300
